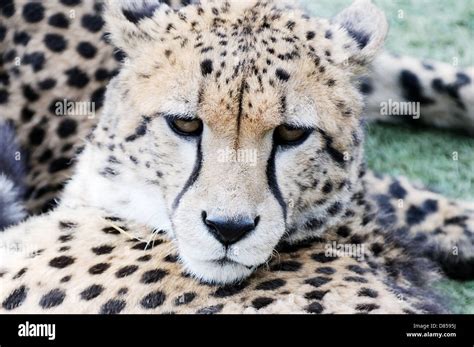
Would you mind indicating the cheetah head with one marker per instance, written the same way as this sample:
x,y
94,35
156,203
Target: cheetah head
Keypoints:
x,y
234,125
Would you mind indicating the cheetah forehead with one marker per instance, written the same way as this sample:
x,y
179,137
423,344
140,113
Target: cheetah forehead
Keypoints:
x,y
254,60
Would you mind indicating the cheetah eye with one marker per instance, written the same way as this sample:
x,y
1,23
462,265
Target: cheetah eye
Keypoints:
x,y
290,136
185,126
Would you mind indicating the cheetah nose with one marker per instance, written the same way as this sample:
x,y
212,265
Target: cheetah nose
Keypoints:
x,y
229,230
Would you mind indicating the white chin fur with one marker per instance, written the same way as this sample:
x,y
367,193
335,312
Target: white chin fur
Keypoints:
x,y
212,272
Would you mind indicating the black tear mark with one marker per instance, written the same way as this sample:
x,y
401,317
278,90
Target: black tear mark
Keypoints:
x,y
412,89
137,15
272,179
206,67
193,177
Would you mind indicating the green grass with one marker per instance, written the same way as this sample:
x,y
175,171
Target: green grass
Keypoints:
x,y
429,29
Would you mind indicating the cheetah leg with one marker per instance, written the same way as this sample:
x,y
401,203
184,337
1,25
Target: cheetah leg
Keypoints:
x,y
429,223
444,93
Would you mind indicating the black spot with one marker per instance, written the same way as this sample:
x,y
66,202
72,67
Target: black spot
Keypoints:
x,y
20,38
15,298
317,281
144,258
47,84
357,279
91,292
59,20
33,12
271,284
184,299
153,300
4,96
110,230
61,262
412,89
343,231
322,258
36,135
86,49
206,67
315,307
97,269
210,309
376,248
20,273
230,290
91,22
367,292
357,269
282,74
289,265
67,225
366,307
54,298
65,238
326,270
76,77
415,215
310,35
315,294
126,271
97,97
102,74
261,302
59,164
113,306
30,94
55,42
70,2
66,128
397,191
105,249
65,279
171,258
153,276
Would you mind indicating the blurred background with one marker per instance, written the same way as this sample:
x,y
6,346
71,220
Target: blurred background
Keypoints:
x,y
435,30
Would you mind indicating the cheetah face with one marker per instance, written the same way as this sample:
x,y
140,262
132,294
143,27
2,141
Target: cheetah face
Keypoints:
x,y
240,123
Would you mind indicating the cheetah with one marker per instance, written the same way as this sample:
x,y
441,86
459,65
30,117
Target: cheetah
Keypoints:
x,y
154,218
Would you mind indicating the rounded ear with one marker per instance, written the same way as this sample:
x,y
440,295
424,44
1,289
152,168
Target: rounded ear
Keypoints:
x,y
125,19
367,26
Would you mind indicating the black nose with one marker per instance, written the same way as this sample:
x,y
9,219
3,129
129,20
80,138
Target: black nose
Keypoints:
x,y
229,230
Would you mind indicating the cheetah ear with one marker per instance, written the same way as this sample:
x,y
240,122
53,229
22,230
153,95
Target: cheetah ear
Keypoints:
x,y
367,26
132,22
123,19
